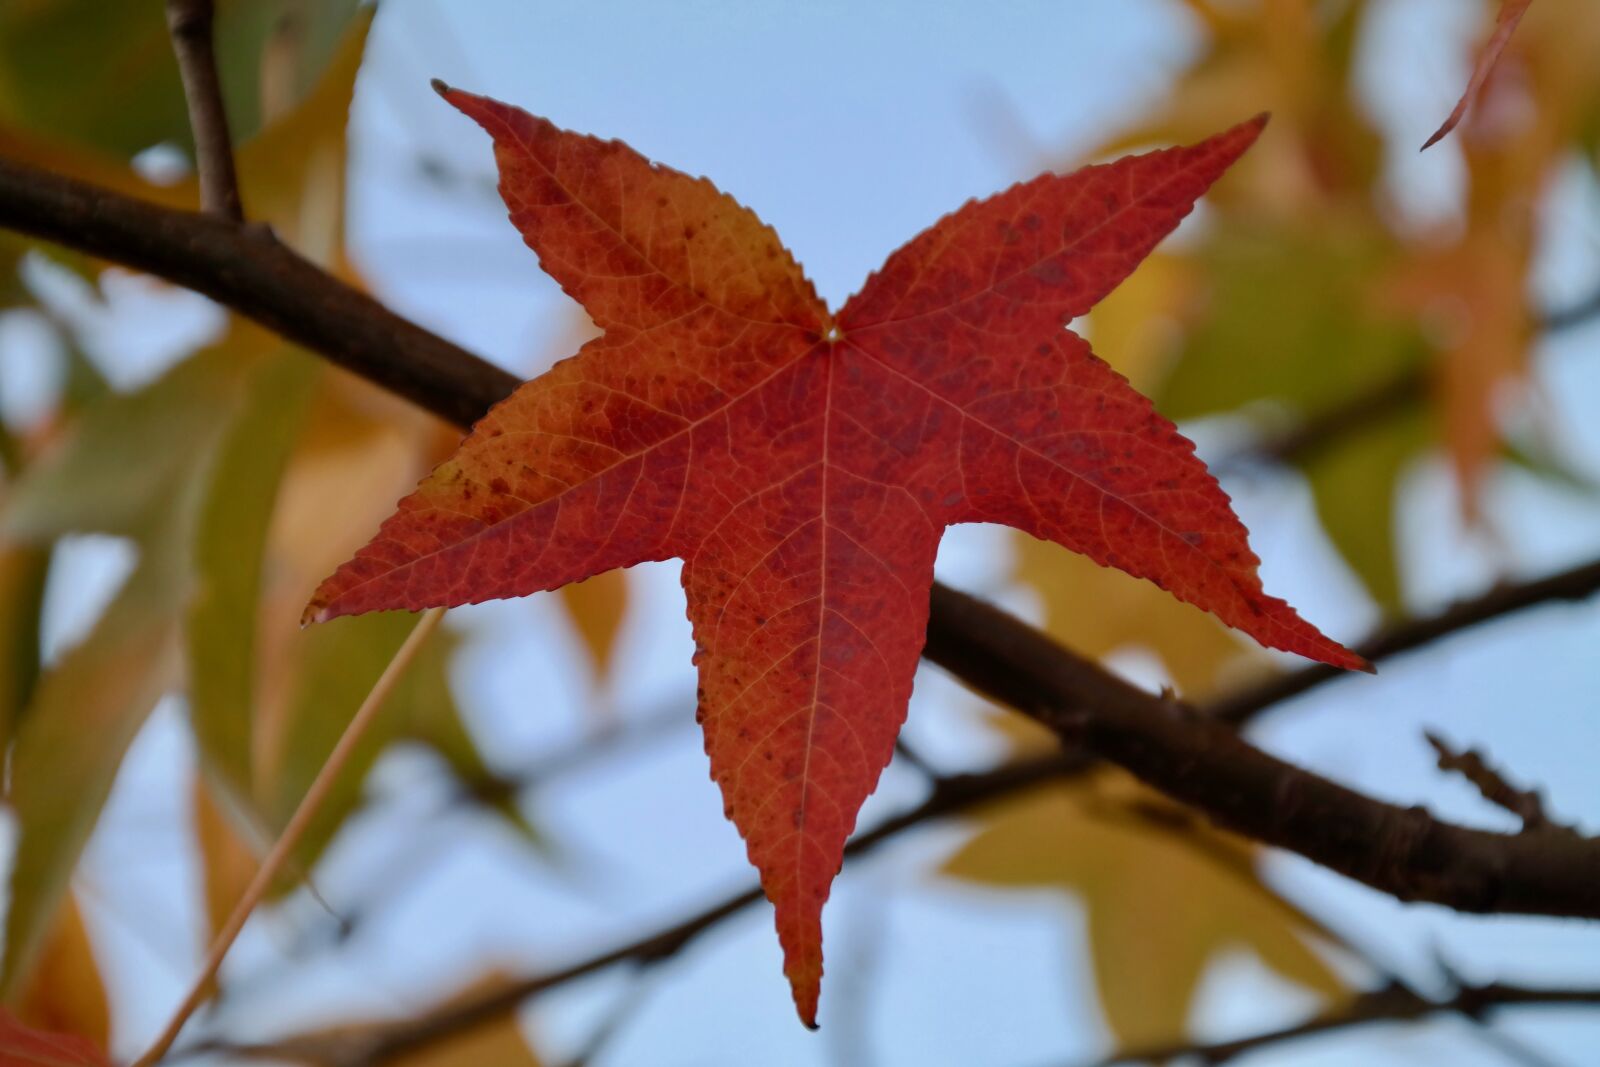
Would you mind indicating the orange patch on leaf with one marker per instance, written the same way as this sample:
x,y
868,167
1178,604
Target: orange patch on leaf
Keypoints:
x,y
804,466
24,1046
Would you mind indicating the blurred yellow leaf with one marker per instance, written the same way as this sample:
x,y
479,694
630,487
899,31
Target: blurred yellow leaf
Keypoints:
x,y
1163,896
499,1042
1095,611
292,174
596,607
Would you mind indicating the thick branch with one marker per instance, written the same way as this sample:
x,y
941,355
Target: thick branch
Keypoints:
x,y
1202,762
247,269
190,23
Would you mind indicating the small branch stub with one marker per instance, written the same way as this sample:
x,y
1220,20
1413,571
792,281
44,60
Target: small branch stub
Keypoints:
x,y
190,24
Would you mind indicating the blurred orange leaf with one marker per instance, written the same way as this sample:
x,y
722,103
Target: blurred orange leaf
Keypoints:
x,y
24,1046
65,992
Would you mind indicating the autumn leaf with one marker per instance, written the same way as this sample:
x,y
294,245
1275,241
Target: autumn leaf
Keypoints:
x,y
24,1046
1292,324
595,606
804,465
1505,24
1120,850
65,991
1095,611
102,75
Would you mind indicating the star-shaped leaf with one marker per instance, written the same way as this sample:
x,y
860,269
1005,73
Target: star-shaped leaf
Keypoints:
x,y
804,465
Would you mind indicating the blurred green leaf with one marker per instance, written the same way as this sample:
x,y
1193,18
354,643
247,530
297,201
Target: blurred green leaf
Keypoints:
x,y
88,707
1355,486
84,715
103,74
229,545
1288,318
1291,325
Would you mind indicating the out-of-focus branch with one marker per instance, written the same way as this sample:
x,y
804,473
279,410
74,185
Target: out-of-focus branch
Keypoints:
x,y
1391,1003
1579,583
190,22
383,1043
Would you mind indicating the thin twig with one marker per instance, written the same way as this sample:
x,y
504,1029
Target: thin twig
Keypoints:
x,y
1525,804
190,24
310,804
1391,1003
1579,583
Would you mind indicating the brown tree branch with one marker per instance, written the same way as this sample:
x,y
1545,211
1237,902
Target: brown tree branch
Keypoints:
x,y
1194,758
1202,762
190,23
1391,1003
250,271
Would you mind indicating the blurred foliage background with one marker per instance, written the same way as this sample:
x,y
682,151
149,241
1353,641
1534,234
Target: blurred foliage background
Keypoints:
x,y
1307,321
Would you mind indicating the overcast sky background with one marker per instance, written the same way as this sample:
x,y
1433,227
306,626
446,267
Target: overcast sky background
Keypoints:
x,y
848,127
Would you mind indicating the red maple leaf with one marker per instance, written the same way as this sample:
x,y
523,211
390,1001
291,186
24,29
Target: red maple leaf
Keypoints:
x,y
804,465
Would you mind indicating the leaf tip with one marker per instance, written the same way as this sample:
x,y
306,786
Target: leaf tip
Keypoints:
x,y
439,86
805,985
1349,660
